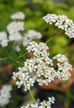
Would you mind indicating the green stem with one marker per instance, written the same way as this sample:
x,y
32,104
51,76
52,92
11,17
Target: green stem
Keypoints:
x,y
32,96
1,59
23,55
50,39
45,42
67,98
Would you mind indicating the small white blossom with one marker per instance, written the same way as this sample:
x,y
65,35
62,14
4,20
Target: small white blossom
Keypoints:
x,y
4,43
44,104
16,36
63,67
3,35
15,26
3,39
5,94
17,48
30,35
18,15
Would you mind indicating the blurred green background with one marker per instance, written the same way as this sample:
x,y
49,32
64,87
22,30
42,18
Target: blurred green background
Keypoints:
x,y
34,10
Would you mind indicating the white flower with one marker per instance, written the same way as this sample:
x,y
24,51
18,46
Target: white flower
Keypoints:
x,y
33,34
5,94
16,36
18,15
3,36
63,67
15,75
3,39
4,43
30,35
51,100
17,48
15,26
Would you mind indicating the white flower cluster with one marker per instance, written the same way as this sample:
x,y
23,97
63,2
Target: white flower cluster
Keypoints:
x,y
18,15
14,29
63,67
44,104
62,22
15,36
24,40
3,39
40,67
5,94
30,35
15,26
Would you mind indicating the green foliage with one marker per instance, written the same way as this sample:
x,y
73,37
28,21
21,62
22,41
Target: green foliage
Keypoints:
x,y
59,45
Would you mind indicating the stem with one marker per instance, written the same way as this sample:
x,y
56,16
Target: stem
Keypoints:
x,y
67,98
32,96
50,39
1,59
45,42
23,55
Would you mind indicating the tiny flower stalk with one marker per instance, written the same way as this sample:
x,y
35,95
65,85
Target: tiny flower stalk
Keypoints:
x,y
23,55
32,96
50,39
